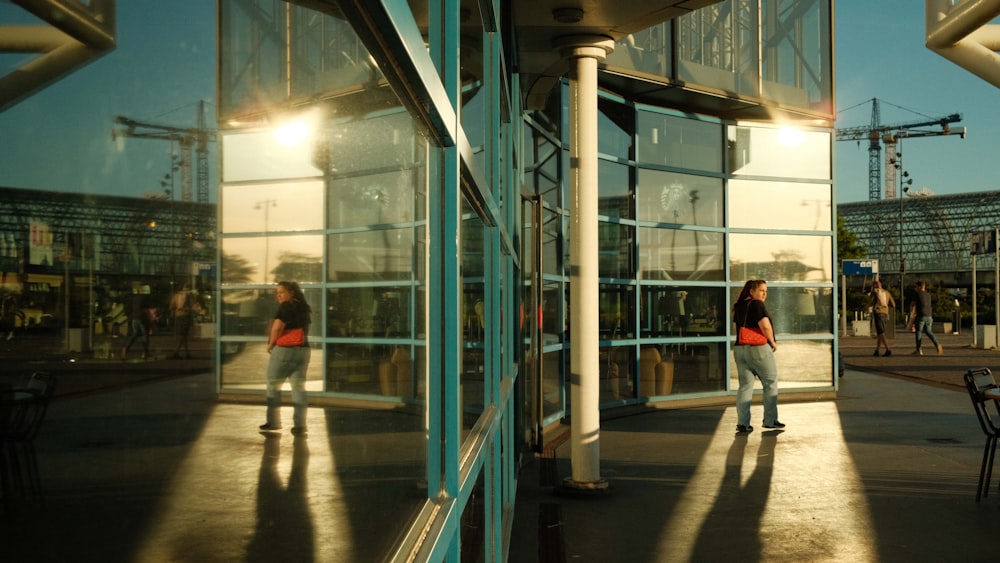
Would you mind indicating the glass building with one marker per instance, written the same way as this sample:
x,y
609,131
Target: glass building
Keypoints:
x,y
421,169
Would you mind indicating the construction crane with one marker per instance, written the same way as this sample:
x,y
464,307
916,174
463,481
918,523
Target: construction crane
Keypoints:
x,y
878,134
190,139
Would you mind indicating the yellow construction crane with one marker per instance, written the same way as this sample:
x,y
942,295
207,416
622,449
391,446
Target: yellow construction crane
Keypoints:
x,y
191,140
878,134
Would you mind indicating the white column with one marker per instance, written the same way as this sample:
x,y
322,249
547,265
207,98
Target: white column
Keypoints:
x,y
583,53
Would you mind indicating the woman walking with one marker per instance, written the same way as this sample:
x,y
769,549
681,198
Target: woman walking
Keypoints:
x,y
754,355
288,345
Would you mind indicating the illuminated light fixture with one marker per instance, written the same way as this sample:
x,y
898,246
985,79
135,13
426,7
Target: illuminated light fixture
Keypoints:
x,y
567,15
791,137
291,134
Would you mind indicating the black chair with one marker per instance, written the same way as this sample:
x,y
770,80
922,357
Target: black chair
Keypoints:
x,y
30,404
981,386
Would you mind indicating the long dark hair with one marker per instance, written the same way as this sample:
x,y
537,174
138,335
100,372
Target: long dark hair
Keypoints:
x,y
747,288
297,294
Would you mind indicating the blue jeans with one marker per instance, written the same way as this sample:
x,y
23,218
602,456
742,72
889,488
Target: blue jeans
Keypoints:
x,y
137,329
756,361
924,327
287,363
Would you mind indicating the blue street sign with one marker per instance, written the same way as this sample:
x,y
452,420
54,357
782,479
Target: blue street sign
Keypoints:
x,y
860,267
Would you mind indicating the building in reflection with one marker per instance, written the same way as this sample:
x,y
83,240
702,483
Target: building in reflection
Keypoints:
x,y
69,261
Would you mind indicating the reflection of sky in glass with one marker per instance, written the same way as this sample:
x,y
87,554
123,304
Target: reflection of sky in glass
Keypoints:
x,y
260,156
272,207
801,207
788,257
768,153
263,254
163,64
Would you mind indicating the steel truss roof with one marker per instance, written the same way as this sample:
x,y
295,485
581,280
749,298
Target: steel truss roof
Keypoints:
x,y
936,230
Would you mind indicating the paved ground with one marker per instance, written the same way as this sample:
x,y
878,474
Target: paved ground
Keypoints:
x,y
163,472
887,472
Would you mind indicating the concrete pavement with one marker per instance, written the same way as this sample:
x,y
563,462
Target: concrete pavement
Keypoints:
x,y
164,472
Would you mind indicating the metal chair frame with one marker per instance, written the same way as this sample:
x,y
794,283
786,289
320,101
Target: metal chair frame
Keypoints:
x,y
977,381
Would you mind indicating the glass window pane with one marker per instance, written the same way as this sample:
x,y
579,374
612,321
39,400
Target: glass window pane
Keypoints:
x,y
617,373
717,46
616,255
383,311
613,190
798,310
374,199
698,367
248,312
775,257
267,260
553,391
802,207
377,255
616,308
260,155
552,242
681,254
646,51
615,128
784,152
669,197
680,142
800,363
795,67
244,366
683,311
272,207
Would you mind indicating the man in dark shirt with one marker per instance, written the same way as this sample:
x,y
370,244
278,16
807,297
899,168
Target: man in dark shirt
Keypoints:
x,y
924,315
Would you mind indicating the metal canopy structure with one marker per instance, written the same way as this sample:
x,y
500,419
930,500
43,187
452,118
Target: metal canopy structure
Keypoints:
x,y
126,235
936,230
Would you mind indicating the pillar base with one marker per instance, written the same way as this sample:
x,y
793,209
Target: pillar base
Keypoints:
x,y
569,487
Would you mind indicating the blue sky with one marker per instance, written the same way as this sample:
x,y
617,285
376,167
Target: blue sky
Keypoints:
x,y
881,54
60,138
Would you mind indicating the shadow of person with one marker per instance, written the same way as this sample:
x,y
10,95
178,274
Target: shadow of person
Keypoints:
x,y
735,517
284,525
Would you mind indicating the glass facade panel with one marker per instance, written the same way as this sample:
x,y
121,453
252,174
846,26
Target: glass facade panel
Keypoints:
x,y
647,51
615,129
263,155
376,311
795,66
372,255
376,198
784,152
680,142
776,257
614,193
798,310
554,392
267,260
699,367
255,208
801,207
616,250
681,254
800,363
717,46
617,373
668,311
669,197
473,316
617,311
245,366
